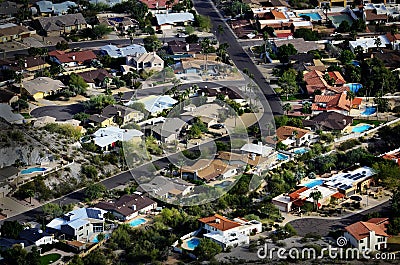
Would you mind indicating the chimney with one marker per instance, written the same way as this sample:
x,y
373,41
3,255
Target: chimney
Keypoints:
x,y
25,64
217,220
253,156
134,207
73,57
119,113
187,47
344,121
260,144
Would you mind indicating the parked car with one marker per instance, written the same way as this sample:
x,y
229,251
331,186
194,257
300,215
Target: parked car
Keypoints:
x,y
159,31
217,126
182,35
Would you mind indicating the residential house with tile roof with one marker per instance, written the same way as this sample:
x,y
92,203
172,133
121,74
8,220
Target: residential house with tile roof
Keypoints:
x,y
167,188
13,32
41,87
8,9
61,25
329,121
178,47
316,81
37,236
48,8
338,102
229,233
115,114
146,61
7,96
293,136
72,59
96,78
209,170
128,206
369,235
375,13
169,130
159,6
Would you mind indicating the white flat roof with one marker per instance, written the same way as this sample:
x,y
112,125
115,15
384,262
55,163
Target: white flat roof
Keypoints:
x,y
346,180
230,238
326,192
257,149
108,135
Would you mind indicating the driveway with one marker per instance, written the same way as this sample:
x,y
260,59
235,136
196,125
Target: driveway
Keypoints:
x,y
61,113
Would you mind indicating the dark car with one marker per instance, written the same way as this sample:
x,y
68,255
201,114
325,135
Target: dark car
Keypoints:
x,y
159,31
217,126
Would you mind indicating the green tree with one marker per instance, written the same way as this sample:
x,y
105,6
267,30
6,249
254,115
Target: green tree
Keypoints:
x,y
99,102
207,249
95,191
287,107
346,56
81,116
316,196
350,96
52,209
62,46
77,84
192,38
285,51
203,22
11,229
344,26
89,171
377,42
152,43
287,83
100,30
96,257
307,34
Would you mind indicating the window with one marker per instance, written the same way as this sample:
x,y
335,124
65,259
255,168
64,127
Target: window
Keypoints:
x,y
361,241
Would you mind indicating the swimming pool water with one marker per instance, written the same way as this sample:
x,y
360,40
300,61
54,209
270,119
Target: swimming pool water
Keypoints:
x,y
300,151
313,16
282,156
223,184
369,111
193,243
313,183
96,240
354,87
33,170
137,222
362,128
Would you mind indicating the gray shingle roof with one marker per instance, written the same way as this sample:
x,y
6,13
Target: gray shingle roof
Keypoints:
x,y
57,23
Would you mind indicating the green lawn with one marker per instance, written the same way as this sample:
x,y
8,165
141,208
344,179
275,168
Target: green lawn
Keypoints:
x,y
49,258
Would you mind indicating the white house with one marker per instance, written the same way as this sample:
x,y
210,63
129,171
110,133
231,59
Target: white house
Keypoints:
x,y
169,20
229,233
368,235
145,61
106,137
36,236
78,224
293,136
118,52
367,43
257,149
156,104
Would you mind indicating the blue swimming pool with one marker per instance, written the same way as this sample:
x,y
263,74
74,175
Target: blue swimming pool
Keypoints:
x,y
361,128
313,16
282,157
369,111
193,243
137,222
96,240
313,183
300,151
223,184
33,170
354,87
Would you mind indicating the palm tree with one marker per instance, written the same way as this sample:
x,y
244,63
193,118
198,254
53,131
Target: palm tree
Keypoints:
x,y
181,164
30,193
171,167
393,31
287,107
350,96
377,42
220,29
325,8
316,196
206,48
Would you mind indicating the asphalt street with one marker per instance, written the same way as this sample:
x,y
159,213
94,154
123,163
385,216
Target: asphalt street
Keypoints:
x,y
61,113
237,54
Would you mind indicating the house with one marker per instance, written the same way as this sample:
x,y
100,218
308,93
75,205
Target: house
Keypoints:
x,y
106,138
394,40
293,136
370,235
8,9
352,182
317,81
167,188
329,121
207,113
47,8
209,170
7,243
36,236
390,58
78,224
257,149
96,78
41,87
12,32
178,47
109,3
8,97
169,20
229,233
375,13
113,115
159,6
169,130
72,59
61,25
6,112
394,156
128,206
338,103
369,43
30,64
156,104
146,61
299,44
119,52
241,160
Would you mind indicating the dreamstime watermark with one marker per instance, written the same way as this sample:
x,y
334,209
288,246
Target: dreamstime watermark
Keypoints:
x,y
329,252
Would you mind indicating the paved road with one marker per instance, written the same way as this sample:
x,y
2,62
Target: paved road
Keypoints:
x,y
324,226
237,54
61,113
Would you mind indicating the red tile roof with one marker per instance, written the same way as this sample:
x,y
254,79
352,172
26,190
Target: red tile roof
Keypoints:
x,y
335,102
339,80
278,15
371,14
361,230
285,132
219,222
80,56
296,194
154,4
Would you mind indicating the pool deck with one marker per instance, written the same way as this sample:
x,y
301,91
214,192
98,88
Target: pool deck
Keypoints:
x,y
349,130
185,245
145,217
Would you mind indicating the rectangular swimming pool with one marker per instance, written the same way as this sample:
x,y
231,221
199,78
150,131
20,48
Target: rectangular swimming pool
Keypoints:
x,y
313,16
32,170
313,183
